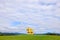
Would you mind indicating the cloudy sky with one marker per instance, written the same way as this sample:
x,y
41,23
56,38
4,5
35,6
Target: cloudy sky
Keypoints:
x,y
41,15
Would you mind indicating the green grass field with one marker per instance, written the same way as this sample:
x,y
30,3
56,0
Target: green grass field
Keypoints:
x,y
30,37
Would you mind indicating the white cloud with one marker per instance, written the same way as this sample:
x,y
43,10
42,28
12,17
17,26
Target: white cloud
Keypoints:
x,y
31,13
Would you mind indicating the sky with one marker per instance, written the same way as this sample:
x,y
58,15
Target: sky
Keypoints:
x,y
40,15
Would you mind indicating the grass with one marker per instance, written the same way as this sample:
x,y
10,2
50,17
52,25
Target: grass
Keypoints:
x,y
30,37
49,37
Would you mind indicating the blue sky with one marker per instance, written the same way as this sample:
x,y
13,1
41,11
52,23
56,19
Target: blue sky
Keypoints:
x,y
41,15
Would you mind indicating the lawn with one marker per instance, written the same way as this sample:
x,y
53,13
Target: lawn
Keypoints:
x,y
30,37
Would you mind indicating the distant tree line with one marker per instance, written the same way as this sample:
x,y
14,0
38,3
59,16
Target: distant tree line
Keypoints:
x,y
6,34
52,34
58,34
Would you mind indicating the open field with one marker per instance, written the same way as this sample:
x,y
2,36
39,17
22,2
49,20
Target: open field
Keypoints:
x,y
30,37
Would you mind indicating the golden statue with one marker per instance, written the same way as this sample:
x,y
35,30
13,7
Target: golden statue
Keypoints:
x,y
29,30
